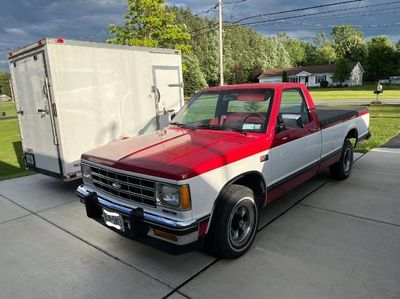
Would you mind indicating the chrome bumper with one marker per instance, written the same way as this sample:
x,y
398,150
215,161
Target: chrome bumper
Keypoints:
x,y
143,224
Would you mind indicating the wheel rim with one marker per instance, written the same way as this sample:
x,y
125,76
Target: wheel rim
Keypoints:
x,y
241,223
347,160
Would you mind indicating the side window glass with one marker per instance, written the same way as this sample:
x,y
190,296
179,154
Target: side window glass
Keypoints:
x,y
293,102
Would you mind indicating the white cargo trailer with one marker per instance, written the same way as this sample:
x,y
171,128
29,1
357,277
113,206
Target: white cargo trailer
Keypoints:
x,y
72,96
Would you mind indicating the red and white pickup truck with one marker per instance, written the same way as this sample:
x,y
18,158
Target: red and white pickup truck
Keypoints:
x,y
229,152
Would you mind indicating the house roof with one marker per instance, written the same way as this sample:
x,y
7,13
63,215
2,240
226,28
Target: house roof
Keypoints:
x,y
312,69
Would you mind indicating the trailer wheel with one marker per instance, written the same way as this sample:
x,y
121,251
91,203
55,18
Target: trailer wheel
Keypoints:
x,y
341,170
234,223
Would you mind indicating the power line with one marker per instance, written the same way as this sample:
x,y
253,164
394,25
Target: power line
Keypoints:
x,y
282,12
210,9
315,13
297,9
235,2
390,10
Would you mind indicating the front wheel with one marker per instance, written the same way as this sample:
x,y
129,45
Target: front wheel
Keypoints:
x,y
342,169
234,223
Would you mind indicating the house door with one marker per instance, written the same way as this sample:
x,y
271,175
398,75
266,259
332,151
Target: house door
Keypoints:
x,y
304,80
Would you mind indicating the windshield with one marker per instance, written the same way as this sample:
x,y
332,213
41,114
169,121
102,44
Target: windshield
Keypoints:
x,y
237,110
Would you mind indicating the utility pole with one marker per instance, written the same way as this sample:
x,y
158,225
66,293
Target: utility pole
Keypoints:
x,y
221,46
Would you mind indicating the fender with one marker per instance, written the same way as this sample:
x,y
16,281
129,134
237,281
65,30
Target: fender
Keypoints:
x,y
263,189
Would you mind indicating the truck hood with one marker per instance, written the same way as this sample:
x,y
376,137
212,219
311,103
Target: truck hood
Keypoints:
x,y
177,154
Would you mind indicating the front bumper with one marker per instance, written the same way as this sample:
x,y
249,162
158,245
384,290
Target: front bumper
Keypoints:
x,y
141,225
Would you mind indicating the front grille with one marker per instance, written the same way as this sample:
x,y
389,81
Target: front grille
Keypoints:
x,y
127,187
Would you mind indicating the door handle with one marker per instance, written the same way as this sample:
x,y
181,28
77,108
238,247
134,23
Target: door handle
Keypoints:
x,y
313,130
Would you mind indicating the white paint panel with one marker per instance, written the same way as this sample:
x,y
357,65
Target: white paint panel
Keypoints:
x,y
205,188
291,157
333,137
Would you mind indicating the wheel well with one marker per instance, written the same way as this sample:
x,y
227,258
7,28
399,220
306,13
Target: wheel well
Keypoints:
x,y
254,181
353,133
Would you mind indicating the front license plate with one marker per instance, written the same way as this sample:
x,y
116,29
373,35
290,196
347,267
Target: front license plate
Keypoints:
x,y
113,219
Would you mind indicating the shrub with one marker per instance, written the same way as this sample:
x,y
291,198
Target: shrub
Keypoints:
x,y
324,84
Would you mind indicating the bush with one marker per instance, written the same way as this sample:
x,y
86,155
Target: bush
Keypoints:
x,y
324,84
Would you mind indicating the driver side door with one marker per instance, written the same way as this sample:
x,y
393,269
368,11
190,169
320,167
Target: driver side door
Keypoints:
x,y
295,150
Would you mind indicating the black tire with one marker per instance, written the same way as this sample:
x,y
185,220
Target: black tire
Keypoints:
x,y
341,170
234,223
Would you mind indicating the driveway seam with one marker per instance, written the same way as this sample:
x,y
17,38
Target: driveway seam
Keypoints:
x,y
183,295
17,218
90,244
350,215
60,205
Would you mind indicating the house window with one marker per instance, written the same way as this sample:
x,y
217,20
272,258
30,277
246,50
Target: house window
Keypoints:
x,y
319,79
293,79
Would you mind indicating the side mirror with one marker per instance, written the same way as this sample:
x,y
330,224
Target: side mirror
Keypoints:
x,y
293,120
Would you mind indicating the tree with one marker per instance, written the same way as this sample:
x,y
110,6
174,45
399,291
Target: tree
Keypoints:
x,y
5,83
312,56
381,60
255,72
285,77
342,72
398,45
327,54
149,24
294,46
349,43
321,40
203,42
192,76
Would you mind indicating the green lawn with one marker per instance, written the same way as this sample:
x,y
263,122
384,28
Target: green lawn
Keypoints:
x,y
11,164
8,108
364,92
384,124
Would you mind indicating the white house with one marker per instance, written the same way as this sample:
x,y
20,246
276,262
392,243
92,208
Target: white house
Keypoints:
x,y
314,74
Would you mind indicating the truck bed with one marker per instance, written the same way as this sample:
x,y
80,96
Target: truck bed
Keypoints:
x,y
328,116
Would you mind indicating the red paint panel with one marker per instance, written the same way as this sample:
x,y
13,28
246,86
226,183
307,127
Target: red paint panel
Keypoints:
x,y
179,154
290,184
325,163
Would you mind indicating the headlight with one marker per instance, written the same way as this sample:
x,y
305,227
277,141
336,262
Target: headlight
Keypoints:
x,y
86,172
174,196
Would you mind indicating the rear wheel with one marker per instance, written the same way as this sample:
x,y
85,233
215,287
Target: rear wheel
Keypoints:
x,y
234,223
342,169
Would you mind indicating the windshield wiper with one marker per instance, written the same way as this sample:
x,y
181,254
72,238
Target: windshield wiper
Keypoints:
x,y
215,127
181,125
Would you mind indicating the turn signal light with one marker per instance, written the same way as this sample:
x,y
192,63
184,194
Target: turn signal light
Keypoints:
x,y
184,191
165,235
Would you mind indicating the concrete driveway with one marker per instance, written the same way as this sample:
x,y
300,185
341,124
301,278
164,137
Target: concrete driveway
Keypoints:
x,y
326,239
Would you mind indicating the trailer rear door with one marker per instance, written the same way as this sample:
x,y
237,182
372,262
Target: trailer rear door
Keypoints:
x,y
167,80
35,115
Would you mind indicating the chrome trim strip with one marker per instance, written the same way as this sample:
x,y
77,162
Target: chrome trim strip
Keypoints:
x,y
82,192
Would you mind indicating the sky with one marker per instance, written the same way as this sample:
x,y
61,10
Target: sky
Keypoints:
x,y
25,21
